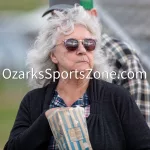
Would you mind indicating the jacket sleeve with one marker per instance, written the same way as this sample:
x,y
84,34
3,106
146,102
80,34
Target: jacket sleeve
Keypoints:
x,y
26,135
138,86
136,130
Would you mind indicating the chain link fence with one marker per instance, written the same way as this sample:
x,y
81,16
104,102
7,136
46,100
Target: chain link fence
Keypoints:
x,y
130,21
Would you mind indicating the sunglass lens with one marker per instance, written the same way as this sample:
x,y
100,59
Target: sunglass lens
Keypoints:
x,y
71,44
89,44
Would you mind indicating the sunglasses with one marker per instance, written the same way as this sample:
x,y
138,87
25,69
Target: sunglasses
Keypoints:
x,y
73,44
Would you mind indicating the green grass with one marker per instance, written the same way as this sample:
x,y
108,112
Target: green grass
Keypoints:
x,y
7,116
11,94
21,5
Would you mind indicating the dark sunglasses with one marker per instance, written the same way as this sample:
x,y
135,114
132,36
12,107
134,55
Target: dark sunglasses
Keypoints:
x,y
73,44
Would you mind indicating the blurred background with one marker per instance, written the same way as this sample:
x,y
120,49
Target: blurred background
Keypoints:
x,y
20,22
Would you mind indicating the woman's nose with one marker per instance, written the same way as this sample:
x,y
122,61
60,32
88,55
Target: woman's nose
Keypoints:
x,y
81,49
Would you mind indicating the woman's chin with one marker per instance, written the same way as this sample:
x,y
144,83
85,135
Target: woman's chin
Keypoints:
x,y
83,67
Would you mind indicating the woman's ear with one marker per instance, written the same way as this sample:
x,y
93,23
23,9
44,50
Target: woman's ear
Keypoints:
x,y
93,12
53,57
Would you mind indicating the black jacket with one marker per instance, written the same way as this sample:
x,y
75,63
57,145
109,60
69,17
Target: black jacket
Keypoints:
x,y
114,123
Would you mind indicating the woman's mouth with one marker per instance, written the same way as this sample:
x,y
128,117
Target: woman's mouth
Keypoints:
x,y
82,61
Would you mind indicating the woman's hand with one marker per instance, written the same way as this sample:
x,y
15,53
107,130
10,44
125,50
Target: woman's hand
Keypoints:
x,y
50,111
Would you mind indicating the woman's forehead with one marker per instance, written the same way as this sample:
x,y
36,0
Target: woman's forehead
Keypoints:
x,y
79,32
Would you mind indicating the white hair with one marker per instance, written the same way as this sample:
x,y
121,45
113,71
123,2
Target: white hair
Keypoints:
x,y
62,22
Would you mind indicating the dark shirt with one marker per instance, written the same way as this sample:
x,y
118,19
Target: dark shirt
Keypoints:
x,y
114,123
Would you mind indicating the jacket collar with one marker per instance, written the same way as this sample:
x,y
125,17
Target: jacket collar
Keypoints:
x,y
49,94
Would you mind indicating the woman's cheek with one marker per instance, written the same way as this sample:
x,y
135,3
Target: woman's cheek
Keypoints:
x,y
91,61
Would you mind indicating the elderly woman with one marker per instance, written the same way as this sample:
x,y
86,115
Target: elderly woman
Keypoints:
x,y
68,43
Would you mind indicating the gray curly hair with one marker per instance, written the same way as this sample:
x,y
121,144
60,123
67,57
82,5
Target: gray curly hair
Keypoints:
x,y
62,22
